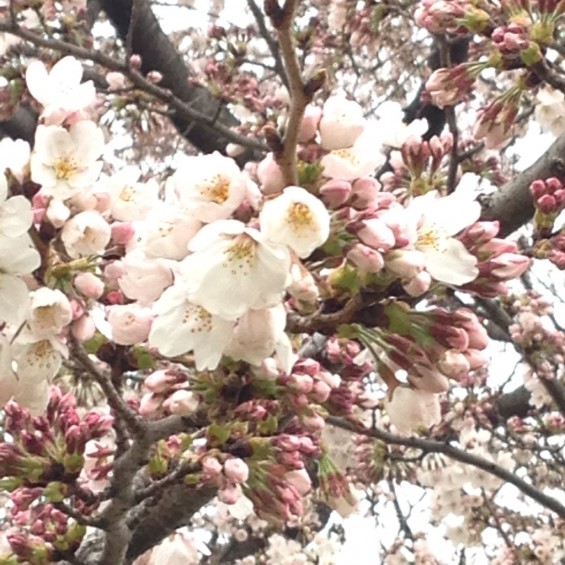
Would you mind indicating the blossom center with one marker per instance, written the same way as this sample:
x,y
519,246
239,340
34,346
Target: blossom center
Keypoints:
x,y
65,167
201,319
45,316
127,194
433,237
240,255
218,190
299,216
347,155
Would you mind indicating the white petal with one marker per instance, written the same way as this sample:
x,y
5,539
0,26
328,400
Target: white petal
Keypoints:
x,y
455,265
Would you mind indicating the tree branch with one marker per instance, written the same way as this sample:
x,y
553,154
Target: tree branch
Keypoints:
x,y
457,454
512,205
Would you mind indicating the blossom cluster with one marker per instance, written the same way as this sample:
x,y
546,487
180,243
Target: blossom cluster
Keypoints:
x,y
208,285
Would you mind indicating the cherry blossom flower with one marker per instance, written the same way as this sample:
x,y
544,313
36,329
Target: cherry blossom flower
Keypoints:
x,y
64,162
14,155
131,200
50,312
144,279
59,91
410,409
257,334
85,234
211,187
359,160
37,360
341,124
297,219
438,220
130,323
182,326
550,110
233,269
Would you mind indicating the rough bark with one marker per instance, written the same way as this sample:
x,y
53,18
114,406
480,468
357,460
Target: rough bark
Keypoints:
x,y
159,54
512,205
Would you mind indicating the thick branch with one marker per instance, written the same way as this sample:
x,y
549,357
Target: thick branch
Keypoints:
x,y
512,205
158,54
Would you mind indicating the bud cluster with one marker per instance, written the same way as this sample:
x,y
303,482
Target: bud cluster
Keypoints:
x,y
549,200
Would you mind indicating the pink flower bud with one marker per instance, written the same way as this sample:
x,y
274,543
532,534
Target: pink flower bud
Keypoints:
x,y
314,422
365,192
453,363
83,328
366,258
335,192
229,494
321,392
538,188
154,77
270,176
89,285
211,467
376,234
236,470
419,284
149,404
547,204
159,381
406,263
135,61
300,480
510,265
115,80
310,121
182,403
122,232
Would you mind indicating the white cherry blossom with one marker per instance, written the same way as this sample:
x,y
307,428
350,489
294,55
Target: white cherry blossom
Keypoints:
x,y
59,91
37,360
50,312
257,334
233,269
550,110
357,161
210,187
144,279
64,162
130,323
86,234
181,326
167,233
410,409
14,155
438,220
341,124
296,218
131,200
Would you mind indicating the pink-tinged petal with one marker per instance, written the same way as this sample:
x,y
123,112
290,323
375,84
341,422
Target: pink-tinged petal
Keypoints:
x,y
37,80
14,300
455,265
88,141
67,72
